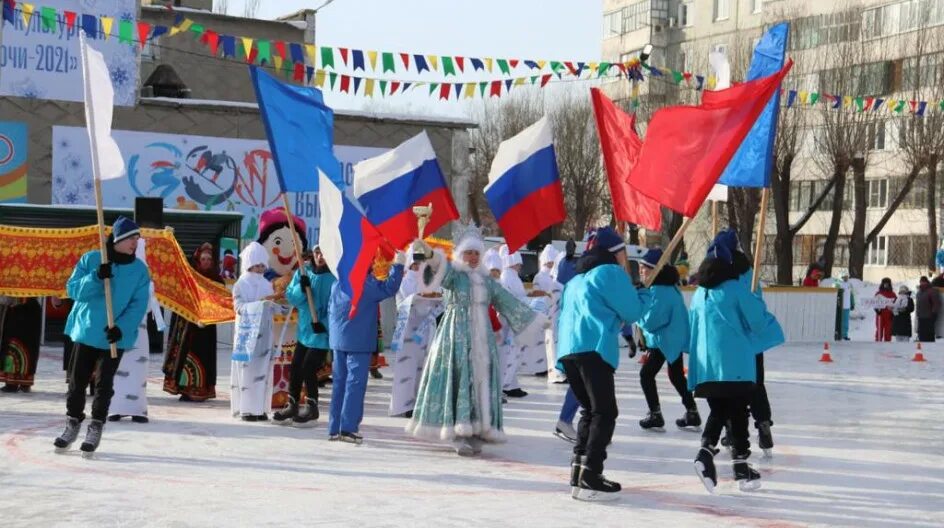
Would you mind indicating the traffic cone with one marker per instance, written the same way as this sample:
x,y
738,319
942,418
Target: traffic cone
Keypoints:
x,y
919,356
825,358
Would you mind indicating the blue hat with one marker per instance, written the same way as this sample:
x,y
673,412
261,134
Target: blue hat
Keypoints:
x,y
607,238
651,258
124,228
729,239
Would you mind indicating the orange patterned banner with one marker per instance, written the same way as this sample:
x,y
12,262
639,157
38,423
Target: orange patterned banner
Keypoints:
x,y
38,262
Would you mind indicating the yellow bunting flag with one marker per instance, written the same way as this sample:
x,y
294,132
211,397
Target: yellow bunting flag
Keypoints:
x,y
372,56
712,82
369,87
488,65
541,64
27,13
847,101
433,62
107,23
312,54
184,26
469,90
319,78
804,96
277,60
247,46
519,81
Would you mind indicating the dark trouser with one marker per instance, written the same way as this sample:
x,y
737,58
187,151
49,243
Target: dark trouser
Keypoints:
x,y
760,404
85,361
647,378
733,412
591,379
305,365
926,332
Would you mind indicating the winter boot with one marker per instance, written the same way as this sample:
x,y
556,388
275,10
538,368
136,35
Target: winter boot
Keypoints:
x,y
574,476
463,447
705,468
565,431
288,412
653,422
93,436
68,436
307,415
592,486
764,438
746,477
691,420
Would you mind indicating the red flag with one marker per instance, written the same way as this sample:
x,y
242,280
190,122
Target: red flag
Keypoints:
x,y
460,62
280,49
345,83
394,85
621,146
496,89
688,147
144,31
344,55
444,90
70,18
405,57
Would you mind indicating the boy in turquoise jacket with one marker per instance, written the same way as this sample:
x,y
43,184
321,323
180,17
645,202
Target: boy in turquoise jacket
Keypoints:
x,y
596,303
87,326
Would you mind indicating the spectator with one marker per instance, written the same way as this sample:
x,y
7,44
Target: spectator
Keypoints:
x,y
883,310
813,276
901,315
928,306
848,304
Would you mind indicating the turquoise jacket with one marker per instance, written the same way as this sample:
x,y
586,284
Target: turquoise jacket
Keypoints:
x,y
130,293
664,322
594,307
772,334
321,295
723,322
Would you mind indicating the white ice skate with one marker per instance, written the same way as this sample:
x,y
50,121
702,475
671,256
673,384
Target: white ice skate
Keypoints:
x,y
565,431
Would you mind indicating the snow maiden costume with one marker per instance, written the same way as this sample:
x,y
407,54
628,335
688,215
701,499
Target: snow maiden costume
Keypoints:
x,y
459,397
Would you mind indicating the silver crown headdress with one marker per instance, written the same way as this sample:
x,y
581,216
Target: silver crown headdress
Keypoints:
x,y
468,236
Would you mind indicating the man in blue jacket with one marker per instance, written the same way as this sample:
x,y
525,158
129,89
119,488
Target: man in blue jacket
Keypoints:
x,y
311,347
353,340
596,303
87,326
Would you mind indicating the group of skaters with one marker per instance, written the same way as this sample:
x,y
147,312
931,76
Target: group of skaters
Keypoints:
x,y
472,325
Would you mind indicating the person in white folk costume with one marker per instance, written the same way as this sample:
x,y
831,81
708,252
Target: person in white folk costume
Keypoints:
x,y
540,358
418,307
253,349
130,398
513,345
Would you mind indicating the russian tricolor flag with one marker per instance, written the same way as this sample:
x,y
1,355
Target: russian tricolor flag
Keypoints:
x,y
524,188
348,241
390,185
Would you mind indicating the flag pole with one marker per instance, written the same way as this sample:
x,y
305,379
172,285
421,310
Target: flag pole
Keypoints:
x,y
714,218
97,178
667,254
298,255
759,245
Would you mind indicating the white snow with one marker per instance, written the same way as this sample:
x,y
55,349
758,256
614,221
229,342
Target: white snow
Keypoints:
x,y
858,443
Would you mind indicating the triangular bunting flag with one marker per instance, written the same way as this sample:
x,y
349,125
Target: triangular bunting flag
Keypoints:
x,y
444,91
814,97
107,23
144,32
357,84
319,78
503,66
369,87
265,51
460,63
448,68
432,87
383,87
27,13
405,57
70,19
124,31
327,58
344,52
345,80
387,61
477,64
372,59
393,87
312,51
434,62
420,62
357,60
508,83
545,79
298,75
247,47
48,17
482,87
488,65
469,90
496,89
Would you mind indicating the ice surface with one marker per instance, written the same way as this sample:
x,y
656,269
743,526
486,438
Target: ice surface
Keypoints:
x,y
858,443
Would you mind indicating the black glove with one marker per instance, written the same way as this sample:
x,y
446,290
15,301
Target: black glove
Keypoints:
x,y
632,348
319,328
305,281
104,271
113,333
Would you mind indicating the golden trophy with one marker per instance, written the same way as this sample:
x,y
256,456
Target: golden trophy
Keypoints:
x,y
423,214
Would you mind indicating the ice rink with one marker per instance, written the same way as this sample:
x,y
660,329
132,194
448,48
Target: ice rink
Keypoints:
x,y
859,442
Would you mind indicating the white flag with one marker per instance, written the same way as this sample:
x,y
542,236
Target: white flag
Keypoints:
x,y
721,68
107,162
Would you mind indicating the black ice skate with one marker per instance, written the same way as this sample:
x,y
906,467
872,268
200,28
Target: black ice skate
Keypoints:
x,y
307,415
515,393
592,486
574,476
93,436
746,477
764,438
653,422
68,436
285,414
691,421
351,438
705,469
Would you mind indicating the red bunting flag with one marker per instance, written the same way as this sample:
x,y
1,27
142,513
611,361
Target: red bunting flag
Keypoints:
x,y
570,66
545,79
688,147
405,57
144,31
460,62
621,146
299,75
444,89
280,49
253,55
70,19
394,85
496,89
345,83
212,39
344,52
513,63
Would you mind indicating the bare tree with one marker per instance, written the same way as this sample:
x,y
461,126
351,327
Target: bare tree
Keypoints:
x,y
251,8
221,6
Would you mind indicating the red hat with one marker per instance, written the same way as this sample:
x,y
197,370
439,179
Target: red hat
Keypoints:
x,y
274,217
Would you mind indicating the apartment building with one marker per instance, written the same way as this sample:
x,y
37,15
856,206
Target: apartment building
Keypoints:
x,y
683,32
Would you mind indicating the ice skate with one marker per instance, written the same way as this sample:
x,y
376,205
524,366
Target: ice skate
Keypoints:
x,y
653,422
140,419
463,447
285,414
351,438
690,422
515,393
307,415
764,438
592,486
705,469
746,477
68,436
565,431
93,436
574,476
476,445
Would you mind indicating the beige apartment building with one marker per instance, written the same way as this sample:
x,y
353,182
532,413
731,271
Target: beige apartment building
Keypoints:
x,y
683,32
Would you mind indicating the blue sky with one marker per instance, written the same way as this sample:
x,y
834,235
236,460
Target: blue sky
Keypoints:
x,y
525,29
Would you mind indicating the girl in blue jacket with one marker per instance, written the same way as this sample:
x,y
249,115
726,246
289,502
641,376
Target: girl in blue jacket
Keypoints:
x,y
87,326
665,327
725,317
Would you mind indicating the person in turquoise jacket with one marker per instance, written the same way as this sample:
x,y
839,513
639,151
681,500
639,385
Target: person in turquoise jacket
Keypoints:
x,y
725,317
665,327
87,326
311,348
595,305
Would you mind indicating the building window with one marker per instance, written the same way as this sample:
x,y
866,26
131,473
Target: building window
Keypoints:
x,y
878,194
877,254
758,6
636,16
612,24
812,31
922,72
721,9
686,14
864,79
876,135
900,17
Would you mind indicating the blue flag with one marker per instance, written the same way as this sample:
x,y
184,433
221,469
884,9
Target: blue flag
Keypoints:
x,y
751,164
300,128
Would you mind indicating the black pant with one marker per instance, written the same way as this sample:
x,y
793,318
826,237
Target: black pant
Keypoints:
x,y
591,379
926,331
305,365
733,413
647,378
760,404
83,363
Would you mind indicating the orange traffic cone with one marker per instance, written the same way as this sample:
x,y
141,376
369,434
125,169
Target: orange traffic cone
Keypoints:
x,y
825,358
919,356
